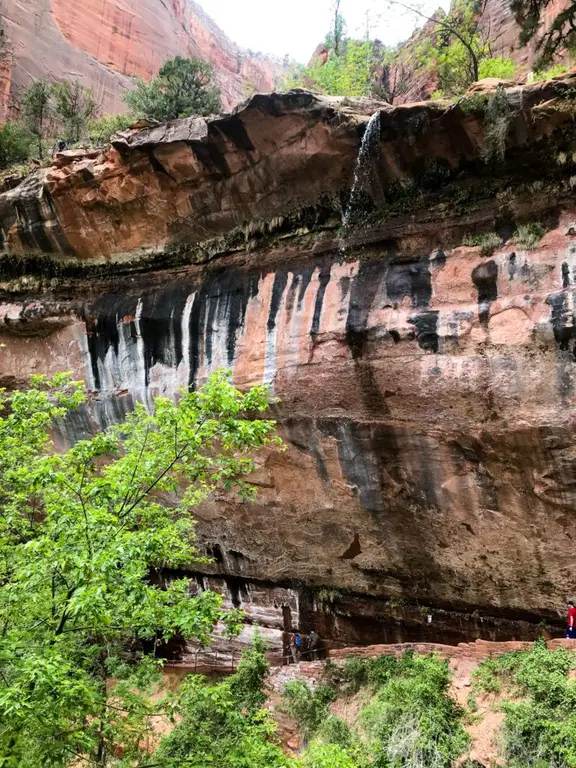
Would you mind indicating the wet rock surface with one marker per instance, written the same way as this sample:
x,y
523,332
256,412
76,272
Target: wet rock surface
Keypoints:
x,y
426,388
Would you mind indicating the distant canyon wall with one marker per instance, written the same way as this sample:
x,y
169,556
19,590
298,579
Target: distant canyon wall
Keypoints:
x,y
500,28
106,43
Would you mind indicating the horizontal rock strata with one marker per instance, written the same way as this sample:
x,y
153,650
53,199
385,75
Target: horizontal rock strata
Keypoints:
x,y
426,386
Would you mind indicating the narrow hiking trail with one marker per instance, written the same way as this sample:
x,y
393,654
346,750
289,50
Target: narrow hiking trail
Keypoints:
x,y
483,724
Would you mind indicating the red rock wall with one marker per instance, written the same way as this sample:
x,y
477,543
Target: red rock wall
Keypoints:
x,y
106,42
427,389
6,63
500,28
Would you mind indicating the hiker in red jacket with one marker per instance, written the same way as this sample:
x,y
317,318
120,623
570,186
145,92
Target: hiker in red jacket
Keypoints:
x,y
571,621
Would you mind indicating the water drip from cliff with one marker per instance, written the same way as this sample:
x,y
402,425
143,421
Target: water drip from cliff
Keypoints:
x,y
366,188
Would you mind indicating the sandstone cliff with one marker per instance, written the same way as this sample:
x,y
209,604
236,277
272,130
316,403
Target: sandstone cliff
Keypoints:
x,y
427,388
105,43
499,26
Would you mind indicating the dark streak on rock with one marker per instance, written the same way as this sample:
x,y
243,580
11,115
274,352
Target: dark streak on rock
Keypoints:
x,y
565,275
363,293
413,280
233,129
291,295
211,158
485,278
280,280
426,324
305,278
160,324
323,280
102,328
562,319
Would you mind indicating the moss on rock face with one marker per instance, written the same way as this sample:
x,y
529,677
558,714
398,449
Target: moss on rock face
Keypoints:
x,y
498,117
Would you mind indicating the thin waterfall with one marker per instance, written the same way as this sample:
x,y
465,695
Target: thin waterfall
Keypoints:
x,y
366,183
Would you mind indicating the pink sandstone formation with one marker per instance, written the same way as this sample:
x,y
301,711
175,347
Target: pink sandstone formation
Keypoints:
x,y
499,26
106,43
426,387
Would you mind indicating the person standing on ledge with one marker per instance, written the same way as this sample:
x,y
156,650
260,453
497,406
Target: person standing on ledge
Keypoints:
x,y
298,644
313,645
571,621
293,652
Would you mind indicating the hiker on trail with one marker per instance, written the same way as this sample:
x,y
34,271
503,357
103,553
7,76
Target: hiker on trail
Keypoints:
x,y
60,146
293,652
571,621
313,645
298,644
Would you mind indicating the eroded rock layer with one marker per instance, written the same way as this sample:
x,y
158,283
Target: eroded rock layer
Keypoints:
x,y
426,388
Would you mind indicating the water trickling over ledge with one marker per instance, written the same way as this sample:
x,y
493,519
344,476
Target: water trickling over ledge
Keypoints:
x,y
366,189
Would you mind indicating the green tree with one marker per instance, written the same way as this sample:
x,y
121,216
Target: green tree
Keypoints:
x,y
182,88
349,69
347,74
457,47
86,539
308,707
37,112
498,66
412,720
553,38
15,143
224,725
539,697
75,106
335,37
320,755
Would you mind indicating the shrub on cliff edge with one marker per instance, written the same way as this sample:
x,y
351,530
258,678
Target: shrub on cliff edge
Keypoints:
x,y
101,130
224,725
412,720
182,89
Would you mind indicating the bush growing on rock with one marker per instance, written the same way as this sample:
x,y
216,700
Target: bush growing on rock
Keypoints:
x,y
224,725
15,144
409,720
529,235
539,726
100,131
328,756
487,243
412,721
308,707
499,67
